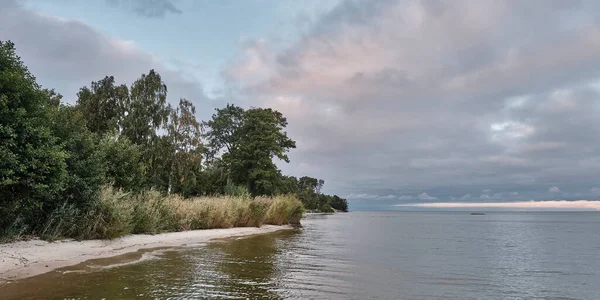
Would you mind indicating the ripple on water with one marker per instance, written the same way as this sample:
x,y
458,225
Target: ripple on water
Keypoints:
x,y
395,255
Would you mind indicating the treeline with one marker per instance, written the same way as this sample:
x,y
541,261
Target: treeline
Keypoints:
x,y
57,158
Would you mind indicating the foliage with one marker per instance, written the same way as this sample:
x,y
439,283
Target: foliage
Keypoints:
x,y
102,104
250,139
236,191
32,161
283,210
146,109
122,213
184,132
121,160
338,203
84,163
224,132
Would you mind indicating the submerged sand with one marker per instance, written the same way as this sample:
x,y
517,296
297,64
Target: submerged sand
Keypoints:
x,y
29,258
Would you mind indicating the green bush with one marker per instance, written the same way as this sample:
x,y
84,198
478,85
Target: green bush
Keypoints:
x,y
112,217
283,209
32,161
236,191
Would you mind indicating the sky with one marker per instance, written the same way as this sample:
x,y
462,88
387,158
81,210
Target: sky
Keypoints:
x,y
399,102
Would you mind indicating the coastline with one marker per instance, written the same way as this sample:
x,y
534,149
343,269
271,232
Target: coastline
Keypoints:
x,y
25,259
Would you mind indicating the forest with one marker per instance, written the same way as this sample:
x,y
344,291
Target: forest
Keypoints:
x,y
122,160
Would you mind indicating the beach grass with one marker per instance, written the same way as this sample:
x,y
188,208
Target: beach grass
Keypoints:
x,y
118,213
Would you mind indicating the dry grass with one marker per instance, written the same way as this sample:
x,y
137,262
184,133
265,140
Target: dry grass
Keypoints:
x,y
119,213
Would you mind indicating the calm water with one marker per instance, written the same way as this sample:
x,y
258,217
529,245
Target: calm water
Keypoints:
x,y
365,255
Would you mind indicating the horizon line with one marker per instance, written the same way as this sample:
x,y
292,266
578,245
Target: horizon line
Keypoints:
x,y
544,204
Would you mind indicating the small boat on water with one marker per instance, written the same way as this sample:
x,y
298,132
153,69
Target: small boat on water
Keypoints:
x,y
477,214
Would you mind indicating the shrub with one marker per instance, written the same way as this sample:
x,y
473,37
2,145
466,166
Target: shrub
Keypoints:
x,y
283,209
119,213
111,218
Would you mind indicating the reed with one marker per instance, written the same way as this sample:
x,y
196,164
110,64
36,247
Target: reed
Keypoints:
x,y
119,213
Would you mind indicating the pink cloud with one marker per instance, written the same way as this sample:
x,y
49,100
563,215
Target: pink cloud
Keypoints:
x,y
561,204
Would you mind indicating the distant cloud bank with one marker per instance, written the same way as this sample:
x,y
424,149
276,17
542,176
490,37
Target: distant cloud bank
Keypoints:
x,y
562,204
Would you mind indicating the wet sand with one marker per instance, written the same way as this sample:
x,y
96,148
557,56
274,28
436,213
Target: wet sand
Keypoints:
x,y
29,258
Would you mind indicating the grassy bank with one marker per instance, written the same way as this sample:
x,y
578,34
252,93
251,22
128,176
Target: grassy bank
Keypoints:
x,y
119,213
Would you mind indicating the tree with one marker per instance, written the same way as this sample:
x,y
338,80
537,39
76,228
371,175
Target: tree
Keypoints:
x,y
146,109
213,179
250,140
223,133
184,133
122,162
288,185
84,163
264,139
314,185
32,162
102,105
339,203
145,113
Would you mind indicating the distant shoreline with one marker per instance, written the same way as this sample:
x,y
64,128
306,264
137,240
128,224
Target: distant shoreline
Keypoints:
x,y
19,260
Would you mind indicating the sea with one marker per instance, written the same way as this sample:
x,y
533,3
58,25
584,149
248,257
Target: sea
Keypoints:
x,y
359,255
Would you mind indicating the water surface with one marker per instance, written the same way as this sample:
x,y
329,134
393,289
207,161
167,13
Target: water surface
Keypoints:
x,y
363,255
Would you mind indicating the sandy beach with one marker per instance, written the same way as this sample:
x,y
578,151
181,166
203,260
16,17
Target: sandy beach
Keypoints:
x,y
29,258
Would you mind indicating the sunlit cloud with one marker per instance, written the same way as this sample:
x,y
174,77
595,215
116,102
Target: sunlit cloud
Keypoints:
x,y
561,204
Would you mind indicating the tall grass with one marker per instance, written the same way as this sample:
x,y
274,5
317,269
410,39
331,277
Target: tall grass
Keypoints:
x,y
118,213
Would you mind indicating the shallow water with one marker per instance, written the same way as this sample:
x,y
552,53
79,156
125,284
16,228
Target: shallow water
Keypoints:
x,y
361,255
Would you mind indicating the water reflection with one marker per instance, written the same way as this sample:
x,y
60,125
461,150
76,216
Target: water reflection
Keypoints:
x,y
410,255
240,269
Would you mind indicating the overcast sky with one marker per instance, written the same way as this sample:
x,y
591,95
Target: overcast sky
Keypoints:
x,y
397,101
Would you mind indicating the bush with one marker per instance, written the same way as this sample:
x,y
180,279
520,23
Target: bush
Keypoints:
x,y
32,161
236,191
122,162
283,209
112,217
119,213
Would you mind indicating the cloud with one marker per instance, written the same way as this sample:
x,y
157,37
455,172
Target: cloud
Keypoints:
x,y
389,97
425,196
370,197
453,95
148,8
68,54
465,197
564,205
554,189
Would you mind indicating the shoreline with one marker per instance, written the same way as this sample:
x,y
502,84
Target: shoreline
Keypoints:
x,y
24,259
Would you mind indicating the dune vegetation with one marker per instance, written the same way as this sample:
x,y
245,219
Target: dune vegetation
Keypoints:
x,y
119,213
116,160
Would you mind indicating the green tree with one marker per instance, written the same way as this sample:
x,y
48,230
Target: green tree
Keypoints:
x,y
122,162
213,179
339,203
223,130
184,133
84,163
145,113
249,141
288,185
146,109
102,104
264,139
32,162
314,185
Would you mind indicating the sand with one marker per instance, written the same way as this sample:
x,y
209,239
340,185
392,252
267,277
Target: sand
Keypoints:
x,y
29,258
